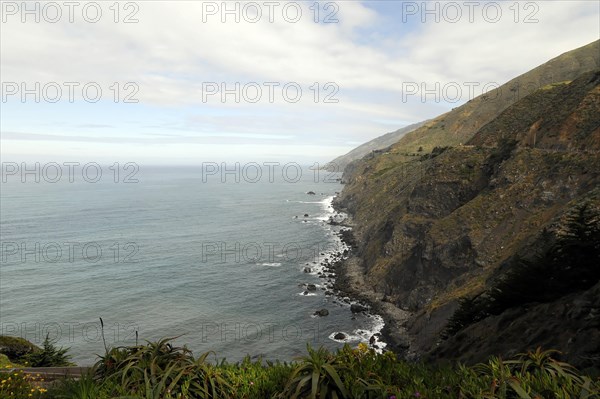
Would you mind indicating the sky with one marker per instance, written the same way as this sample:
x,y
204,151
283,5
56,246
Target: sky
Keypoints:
x,y
187,82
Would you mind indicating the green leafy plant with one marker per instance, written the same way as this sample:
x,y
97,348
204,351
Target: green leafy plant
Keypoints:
x,y
255,379
160,370
316,376
85,387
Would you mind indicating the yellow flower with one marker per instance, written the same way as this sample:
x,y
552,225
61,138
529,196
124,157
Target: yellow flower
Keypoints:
x,y
362,347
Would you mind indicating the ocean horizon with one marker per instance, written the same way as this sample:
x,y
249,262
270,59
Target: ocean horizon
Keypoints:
x,y
217,260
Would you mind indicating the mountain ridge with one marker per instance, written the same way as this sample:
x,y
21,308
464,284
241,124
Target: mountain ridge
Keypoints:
x,y
436,226
379,143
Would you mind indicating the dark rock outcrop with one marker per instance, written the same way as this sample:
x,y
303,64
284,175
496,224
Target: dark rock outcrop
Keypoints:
x,y
357,308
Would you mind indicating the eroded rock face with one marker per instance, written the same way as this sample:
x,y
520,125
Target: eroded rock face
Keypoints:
x,y
431,229
571,323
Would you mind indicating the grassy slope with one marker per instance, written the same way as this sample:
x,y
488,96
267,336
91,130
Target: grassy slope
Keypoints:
x,y
459,125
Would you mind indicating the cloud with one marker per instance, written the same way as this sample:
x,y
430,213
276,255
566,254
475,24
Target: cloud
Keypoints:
x,y
177,50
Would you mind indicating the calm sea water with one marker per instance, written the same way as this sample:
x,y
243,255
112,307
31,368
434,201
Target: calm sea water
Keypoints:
x,y
219,264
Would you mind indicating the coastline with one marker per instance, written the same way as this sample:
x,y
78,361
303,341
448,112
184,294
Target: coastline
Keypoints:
x,y
350,281
326,269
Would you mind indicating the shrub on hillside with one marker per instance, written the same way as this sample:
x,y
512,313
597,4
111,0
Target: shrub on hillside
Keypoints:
x,y
15,348
570,264
49,356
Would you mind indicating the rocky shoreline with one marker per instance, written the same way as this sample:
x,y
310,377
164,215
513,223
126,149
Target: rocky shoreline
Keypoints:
x,y
350,282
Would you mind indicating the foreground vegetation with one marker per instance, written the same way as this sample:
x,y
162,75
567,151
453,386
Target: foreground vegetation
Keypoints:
x,y
160,370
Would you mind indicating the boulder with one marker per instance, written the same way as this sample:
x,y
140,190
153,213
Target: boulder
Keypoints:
x,y
339,336
357,308
322,312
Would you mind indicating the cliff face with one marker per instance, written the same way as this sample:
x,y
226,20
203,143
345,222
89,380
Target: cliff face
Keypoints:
x,y
571,324
434,228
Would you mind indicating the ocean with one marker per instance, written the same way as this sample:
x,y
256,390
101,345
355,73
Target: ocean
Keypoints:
x,y
216,260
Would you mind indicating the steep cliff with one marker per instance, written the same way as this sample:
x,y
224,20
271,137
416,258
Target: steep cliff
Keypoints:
x,y
498,172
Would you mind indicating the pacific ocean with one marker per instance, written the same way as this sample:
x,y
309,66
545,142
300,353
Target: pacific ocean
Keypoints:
x,y
216,260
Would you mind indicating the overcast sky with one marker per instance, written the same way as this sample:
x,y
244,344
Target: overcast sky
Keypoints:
x,y
304,83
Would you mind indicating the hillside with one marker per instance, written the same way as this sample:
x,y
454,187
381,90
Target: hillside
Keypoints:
x,y
496,182
460,124
379,143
